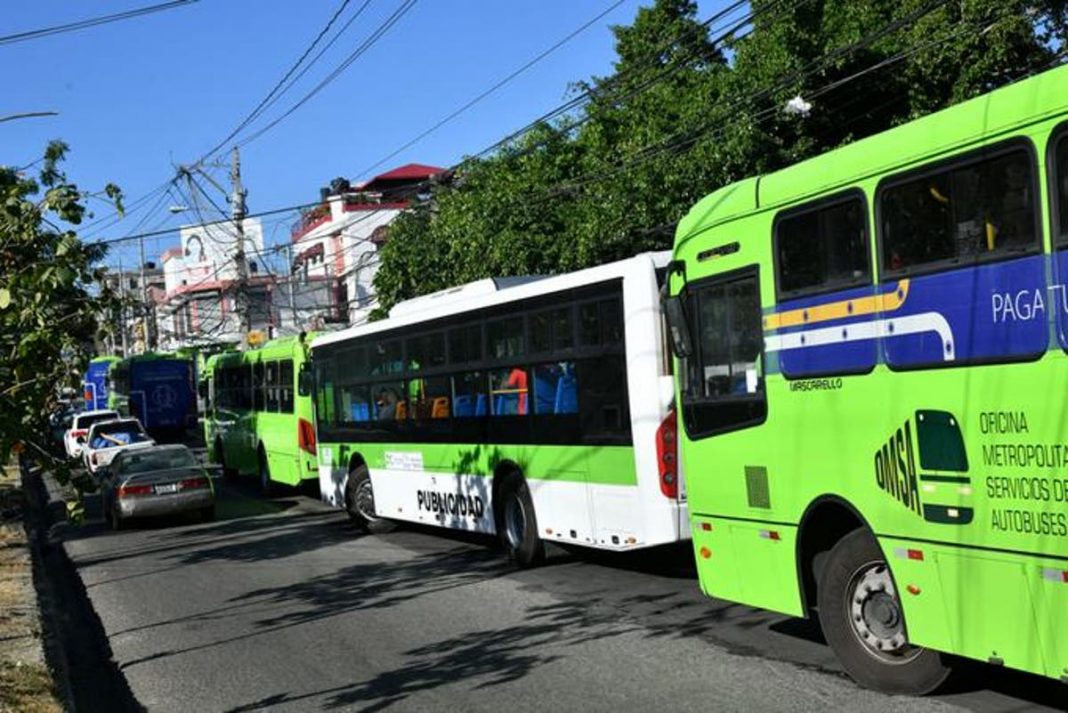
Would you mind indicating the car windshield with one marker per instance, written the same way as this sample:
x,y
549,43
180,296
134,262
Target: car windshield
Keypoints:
x,y
147,461
110,435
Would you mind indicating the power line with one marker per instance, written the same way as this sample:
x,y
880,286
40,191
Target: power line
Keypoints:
x,y
277,89
530,63
92,22
371,40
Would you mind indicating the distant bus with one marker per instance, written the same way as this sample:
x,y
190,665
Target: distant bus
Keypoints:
x,y
95,382
536,409
872,390
257,421
157,389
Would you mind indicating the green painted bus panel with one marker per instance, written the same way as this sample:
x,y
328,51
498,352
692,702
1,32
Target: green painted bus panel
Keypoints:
x,y
608,465
988,600
994,535
773,585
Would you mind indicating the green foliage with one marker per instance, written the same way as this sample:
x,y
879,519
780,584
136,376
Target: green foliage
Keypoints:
x,y
682,115
48,317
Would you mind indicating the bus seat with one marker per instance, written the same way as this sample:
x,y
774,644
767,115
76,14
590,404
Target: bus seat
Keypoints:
x,y
440,409
506,405
566,395
401,411
481,404
463,407
360,412
545,388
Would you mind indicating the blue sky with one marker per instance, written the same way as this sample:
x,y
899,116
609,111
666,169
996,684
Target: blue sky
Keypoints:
x,y
137,95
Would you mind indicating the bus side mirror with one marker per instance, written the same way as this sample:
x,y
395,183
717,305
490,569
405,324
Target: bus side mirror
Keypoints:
x,y
306,380
678,327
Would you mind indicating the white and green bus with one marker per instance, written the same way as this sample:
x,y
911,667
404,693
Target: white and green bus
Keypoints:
x,y
537,409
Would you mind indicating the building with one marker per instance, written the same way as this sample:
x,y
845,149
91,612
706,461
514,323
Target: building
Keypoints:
x,y
136,318
336,243
198,306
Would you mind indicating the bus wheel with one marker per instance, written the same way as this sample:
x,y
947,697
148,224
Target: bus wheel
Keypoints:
x,y
220,458
266,484
517,525
862,619
360,502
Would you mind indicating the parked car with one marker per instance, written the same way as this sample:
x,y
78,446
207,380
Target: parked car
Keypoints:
x,y
107,438
59,422
75,437
153,482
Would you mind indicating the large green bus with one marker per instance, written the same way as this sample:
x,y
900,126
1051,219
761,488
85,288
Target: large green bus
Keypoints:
x,y
871,386
258,422
536,409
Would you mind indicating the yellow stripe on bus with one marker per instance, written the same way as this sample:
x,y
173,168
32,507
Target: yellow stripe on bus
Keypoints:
x,y
886,302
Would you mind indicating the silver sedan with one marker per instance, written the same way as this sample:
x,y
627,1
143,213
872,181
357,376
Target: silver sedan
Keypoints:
x,y
153,482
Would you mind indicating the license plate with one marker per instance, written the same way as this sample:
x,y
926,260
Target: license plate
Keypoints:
x,y
163,489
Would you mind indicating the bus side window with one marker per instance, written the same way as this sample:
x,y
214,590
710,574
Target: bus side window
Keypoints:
x,y
1060,194
725,384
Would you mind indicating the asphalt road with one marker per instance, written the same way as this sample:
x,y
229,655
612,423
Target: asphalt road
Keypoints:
x,y
280,604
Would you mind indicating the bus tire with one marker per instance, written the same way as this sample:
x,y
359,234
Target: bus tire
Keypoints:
x,y
517,525
862,620
360,502
220,458
267,488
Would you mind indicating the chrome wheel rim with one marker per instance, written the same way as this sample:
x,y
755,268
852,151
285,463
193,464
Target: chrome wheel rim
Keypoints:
x,y
515,522
875,614
365,500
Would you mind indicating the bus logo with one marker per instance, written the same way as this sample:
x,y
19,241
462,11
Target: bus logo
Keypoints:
x,y
939,490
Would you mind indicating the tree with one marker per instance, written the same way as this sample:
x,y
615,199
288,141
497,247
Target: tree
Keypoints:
x,y
682,115
48,316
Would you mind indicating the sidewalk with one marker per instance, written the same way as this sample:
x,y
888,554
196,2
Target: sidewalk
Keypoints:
x,y
26,684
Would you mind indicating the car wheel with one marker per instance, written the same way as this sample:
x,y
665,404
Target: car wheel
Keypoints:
x,y
863,621
267,487
220,458
115,519
360,502
517,525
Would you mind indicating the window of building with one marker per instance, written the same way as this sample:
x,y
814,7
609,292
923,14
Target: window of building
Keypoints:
x,y
724,384
979,209
822,248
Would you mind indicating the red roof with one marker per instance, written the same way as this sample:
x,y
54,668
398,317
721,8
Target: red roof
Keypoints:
x,y
171,252
409,172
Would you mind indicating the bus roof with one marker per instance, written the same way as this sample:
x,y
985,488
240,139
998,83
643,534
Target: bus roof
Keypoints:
x,y
1007,109
442,298
282,346
482,298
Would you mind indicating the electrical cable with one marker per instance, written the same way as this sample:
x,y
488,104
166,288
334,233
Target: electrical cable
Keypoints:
x,y
92,22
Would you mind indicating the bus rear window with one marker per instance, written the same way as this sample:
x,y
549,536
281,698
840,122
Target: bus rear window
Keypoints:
x,y
979,209
821,248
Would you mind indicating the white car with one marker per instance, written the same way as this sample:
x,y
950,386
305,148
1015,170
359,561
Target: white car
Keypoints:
x,y
74,438
107,438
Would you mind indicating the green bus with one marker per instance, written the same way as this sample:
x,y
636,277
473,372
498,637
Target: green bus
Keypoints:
x,y
257,419
870,349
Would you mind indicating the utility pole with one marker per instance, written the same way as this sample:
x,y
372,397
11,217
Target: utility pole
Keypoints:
x,y
122,312
238,211
148,312
292,285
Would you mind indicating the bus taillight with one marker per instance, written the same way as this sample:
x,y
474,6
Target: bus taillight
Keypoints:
x,y
667,454
306,436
